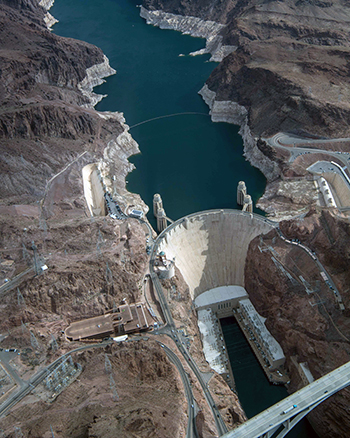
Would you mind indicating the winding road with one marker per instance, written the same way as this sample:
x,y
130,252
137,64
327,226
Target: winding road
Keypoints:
x,y
289,142
173,333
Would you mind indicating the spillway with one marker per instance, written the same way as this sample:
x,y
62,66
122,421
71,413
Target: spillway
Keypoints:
x,y
210,247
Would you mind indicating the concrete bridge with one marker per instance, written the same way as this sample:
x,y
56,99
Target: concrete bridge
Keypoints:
x,y
282,416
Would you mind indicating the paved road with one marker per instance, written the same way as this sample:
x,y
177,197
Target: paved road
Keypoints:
x,y
191,425
172,332
330,283
289,141
16,281
34,381
304,400
5,358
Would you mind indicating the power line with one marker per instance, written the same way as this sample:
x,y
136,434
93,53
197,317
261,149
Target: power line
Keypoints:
x,y
170,115
34,341
54,345
108,365
20,300
109,276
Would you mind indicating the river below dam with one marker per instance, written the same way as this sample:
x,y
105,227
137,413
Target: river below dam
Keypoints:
x,y
193,163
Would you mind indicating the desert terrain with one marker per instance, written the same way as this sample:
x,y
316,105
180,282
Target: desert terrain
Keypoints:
x,y
289,70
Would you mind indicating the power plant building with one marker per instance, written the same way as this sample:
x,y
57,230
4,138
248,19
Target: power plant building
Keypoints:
x,y
125,319
222,300
255,323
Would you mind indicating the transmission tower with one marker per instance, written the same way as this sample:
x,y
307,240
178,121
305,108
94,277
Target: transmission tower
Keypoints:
x,y
109,276
43,226
115,307
36,258
18,432
54,345
20,300
108,365
24,328
113,388
100,238
34,341
26,256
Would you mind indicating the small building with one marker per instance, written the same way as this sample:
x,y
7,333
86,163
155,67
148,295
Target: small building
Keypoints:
x,y
305,373
164,268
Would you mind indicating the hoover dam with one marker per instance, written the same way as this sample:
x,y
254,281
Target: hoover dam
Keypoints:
x,y
210,247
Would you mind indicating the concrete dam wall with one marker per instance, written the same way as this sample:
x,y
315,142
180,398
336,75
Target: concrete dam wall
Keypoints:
x,y
210,247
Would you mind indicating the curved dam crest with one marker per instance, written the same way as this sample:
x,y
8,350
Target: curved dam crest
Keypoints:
x,y
210,247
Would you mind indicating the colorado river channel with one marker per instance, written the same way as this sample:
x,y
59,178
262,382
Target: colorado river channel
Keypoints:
x,y
193,163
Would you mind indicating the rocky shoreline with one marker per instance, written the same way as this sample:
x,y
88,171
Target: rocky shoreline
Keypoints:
x,y
49,131
262,88
220,111
48,19
95,76
193,26
231,112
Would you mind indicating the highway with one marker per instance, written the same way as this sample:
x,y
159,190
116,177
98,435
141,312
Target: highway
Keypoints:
x,y
172,332
305,400
191,425
330,283
288,142
16,281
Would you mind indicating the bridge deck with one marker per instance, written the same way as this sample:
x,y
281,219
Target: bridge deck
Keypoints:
x,y
305,399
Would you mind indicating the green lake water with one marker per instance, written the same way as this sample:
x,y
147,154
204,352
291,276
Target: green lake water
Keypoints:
x,y
193,163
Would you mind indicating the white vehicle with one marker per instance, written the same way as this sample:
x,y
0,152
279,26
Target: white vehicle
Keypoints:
x,y
120,338
138,214
289,409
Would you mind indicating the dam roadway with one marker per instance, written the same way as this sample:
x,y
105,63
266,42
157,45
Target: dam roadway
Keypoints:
x,y
269,421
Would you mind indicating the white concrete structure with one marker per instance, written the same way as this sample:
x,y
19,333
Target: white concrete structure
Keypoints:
x,y
221,299
247,204
256,323
336,191
210,247
157,203
93,190
213,346
326,192
305,373
241,192
161,220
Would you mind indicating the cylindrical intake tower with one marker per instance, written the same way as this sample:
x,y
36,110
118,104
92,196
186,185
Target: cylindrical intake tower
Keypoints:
x,y
241,192
157,203
248,204
161,220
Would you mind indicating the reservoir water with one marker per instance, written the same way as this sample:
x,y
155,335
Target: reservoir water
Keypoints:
x,y
193,163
